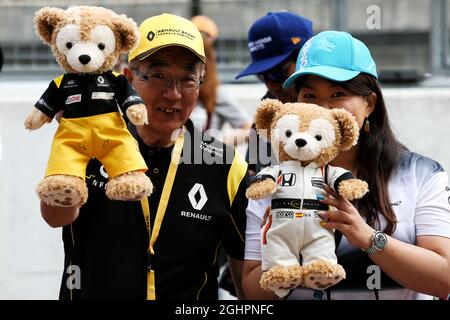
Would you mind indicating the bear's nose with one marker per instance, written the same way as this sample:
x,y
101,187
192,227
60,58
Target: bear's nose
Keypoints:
x,y
300,142
84,59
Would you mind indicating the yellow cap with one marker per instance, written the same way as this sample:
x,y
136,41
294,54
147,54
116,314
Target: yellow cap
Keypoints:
x,y
205,24
167,30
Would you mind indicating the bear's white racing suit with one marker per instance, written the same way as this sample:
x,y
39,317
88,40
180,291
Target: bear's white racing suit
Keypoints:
x,y
293,225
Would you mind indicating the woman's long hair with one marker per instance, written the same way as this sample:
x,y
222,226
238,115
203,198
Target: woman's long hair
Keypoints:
x,y
378,154
208,91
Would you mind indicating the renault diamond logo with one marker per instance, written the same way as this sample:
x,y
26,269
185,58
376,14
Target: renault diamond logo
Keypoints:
x,y
150,36
197,196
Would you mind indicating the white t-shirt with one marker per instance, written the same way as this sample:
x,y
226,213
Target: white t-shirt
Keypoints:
x,y
227,111
420,196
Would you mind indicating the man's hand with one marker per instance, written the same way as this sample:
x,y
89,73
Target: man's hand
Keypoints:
x,y
59,216
36,119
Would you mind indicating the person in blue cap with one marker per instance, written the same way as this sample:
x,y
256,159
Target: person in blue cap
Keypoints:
x,y
274,42
395,242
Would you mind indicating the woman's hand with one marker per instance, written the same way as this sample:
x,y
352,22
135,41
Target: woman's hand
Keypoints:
x,y
346,219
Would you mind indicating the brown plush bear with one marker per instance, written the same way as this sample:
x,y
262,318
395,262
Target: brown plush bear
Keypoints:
x,y
86,41
305,138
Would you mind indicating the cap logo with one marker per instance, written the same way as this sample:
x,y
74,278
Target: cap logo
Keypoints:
x,y
176,32
150,36
296,40
259,44
304,55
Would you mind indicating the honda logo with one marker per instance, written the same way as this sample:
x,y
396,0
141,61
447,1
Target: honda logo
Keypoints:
x,y
286,179
197,196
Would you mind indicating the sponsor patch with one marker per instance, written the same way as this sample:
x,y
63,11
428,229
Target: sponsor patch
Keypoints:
x,y
103,95
286,179
216,151
42,102
73,99
70,84
317,182
290,203
284,214
101,82
131,99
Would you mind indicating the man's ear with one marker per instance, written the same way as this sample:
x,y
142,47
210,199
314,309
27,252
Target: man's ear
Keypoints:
x,y
126,33
265,114
348,127
128,74
46,20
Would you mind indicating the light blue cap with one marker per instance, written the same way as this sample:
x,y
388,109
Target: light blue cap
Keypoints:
x,y
334,55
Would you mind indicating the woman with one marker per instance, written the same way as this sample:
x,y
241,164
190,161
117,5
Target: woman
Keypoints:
x,y
402,225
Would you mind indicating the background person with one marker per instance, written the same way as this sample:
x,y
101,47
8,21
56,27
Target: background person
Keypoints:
x,y
403,223
274,42
1,58
121,63
216,107
164,247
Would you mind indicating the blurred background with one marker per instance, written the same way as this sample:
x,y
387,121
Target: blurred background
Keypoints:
x,y
409,40
404,35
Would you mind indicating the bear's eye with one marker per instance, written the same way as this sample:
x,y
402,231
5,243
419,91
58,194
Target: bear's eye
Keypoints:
x,y
69,45
318,137
101,46
288,133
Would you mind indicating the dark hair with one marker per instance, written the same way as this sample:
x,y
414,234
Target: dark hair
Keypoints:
x,y
1,58
378,153
208,91
294,54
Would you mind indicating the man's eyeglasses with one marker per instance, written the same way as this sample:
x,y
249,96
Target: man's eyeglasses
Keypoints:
x,y
277,74
160,81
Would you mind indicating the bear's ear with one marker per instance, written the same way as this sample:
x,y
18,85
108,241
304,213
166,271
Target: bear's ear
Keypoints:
x,y
46,20
265,115
348,127
126,30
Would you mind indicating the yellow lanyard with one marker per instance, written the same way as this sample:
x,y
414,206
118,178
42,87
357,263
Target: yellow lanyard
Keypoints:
x,y
162,206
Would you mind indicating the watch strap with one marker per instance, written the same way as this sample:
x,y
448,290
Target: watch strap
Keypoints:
x,y
373,248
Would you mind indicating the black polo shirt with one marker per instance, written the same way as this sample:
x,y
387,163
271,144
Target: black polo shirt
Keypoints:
x,y
83,95
109,240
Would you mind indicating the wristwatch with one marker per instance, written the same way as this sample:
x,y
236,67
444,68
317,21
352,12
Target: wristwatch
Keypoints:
x,y
379,241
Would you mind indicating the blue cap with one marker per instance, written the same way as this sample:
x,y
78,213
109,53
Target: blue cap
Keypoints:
x,y
334,55
272,38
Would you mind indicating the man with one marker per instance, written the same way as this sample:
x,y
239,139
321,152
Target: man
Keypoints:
x,y
274,42
166,246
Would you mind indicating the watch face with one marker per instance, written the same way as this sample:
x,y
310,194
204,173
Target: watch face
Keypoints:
x,y
380,240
